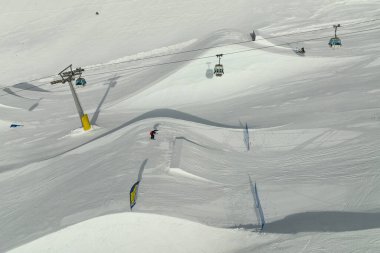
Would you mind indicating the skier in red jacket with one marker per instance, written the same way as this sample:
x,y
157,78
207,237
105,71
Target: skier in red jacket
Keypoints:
x,y
153,133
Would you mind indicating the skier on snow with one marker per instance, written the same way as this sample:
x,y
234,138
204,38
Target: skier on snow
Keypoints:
x,y
301,51
153,133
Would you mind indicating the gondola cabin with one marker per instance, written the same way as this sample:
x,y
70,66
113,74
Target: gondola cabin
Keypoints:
x,y
218,70
335,42
80,82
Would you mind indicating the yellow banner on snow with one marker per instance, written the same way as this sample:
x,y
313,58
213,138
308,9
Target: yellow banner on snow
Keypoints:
x,y
133,194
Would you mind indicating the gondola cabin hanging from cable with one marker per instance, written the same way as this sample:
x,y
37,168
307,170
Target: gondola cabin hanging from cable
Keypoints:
x,y
335,41
219,70
80,82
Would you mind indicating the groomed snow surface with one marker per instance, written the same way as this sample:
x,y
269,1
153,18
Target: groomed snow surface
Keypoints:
x,y
305,129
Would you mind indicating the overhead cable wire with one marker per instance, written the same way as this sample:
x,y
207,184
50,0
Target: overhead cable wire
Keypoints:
x,y
230,53
217,46
229,44
193,59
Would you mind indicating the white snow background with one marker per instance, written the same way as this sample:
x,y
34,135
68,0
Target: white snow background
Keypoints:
x,y
313,126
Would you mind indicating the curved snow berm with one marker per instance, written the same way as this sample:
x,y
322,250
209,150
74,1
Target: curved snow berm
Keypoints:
x,y
134,232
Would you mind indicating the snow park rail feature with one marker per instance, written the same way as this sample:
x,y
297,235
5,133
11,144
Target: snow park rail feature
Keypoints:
x,y
258,208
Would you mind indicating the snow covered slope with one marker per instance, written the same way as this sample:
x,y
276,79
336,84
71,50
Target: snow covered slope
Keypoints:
x,y
305,129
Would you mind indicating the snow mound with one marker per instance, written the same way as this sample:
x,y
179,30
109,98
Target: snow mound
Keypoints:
x,y
126,232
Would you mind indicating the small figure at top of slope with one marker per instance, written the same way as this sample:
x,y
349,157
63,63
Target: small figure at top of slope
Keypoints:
x,y
153,133
300,50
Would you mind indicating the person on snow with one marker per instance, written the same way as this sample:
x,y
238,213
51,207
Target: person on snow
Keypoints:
x,y
153,133
302,50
